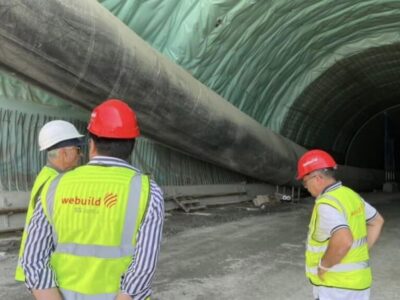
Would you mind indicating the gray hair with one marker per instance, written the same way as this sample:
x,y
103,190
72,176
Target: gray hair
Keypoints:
x,y
327,173
52,153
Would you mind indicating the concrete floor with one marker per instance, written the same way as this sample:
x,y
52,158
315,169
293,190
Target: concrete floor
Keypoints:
x,y
237,252
262,257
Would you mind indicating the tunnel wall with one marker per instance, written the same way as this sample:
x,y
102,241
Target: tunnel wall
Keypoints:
x,y
81,52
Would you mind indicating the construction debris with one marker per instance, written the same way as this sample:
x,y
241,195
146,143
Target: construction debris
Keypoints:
x,y
262,200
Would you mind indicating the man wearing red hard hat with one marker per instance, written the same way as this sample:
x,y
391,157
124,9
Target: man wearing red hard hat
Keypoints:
x,y
343,227
96,232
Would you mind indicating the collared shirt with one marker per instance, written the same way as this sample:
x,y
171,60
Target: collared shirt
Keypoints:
x,y
136,282
332,220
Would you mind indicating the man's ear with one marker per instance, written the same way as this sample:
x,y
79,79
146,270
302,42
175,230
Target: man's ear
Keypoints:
x,y
92,148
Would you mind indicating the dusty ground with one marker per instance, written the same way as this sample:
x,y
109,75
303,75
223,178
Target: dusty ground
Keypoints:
x,y
238,252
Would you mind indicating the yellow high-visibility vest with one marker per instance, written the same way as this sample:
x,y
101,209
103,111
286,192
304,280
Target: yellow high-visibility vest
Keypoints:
x,y
95,212
45,174
353,272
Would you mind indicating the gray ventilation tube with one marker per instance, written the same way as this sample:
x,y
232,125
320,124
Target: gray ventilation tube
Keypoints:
x,y
81,52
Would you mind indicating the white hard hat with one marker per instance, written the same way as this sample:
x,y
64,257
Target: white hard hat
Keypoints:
x,y
55,132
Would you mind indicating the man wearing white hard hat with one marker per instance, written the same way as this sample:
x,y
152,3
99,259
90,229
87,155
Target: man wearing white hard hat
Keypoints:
x,y
61,141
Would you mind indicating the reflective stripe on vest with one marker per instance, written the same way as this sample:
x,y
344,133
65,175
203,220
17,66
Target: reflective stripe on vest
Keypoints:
x,y
342,267
71,295
50,203
356,244
330,197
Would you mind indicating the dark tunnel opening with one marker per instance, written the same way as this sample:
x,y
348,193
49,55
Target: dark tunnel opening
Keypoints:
x,y
352,110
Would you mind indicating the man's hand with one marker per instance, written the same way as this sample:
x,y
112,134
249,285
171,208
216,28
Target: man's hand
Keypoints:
x,y
321,272
122,296
374,228
339,245
47,294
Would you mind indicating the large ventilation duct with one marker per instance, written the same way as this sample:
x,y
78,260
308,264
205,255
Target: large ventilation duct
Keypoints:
x,y
81,52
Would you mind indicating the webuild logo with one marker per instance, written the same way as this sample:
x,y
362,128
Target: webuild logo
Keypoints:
x,y
108,201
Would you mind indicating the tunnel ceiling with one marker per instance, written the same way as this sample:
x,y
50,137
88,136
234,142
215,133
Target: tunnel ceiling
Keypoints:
x,y
334,110
315,71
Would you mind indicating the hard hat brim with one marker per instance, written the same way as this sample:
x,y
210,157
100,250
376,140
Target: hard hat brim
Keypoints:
x,y
78,142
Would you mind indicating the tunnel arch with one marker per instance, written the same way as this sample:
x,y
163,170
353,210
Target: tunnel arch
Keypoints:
x,y
343,105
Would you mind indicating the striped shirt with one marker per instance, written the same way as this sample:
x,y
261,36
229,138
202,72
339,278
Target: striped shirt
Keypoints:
x,y
136,281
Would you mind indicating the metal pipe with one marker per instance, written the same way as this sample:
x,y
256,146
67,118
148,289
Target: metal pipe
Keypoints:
x,y
11,230
7,211
80,51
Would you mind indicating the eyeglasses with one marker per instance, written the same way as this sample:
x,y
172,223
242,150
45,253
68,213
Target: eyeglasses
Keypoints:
x,y
307,180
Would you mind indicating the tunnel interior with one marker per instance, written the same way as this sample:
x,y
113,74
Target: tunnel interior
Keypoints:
x,y
352,110
322,74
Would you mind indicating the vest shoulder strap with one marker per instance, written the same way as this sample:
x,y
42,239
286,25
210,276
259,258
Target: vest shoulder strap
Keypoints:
x,y
332,200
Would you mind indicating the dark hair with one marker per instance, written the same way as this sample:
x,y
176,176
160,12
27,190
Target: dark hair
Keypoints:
x,y
120,148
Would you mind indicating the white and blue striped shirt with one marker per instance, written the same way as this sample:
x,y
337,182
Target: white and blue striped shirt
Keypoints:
x,y
136,282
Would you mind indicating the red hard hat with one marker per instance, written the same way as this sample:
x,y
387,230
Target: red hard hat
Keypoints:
x,y
114,119
314,160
